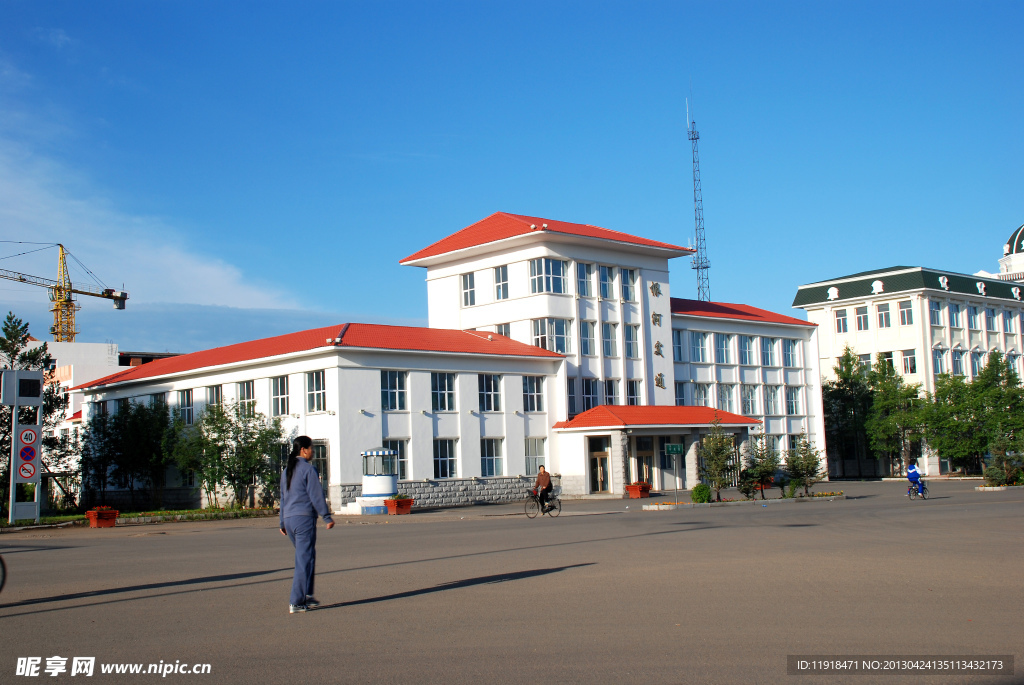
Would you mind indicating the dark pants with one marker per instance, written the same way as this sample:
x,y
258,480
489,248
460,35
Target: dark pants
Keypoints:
x,y
544,496
917,482
302,532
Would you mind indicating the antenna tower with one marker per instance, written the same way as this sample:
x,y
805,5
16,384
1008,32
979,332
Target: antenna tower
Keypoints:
x,y
700,258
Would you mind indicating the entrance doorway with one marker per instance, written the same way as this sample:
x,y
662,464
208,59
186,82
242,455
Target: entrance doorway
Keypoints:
x,y
599,457
644,460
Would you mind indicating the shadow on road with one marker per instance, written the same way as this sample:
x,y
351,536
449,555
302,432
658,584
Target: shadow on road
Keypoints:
x,y
457,584
19,549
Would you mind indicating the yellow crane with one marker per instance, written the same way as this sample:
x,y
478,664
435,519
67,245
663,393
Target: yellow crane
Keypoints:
x,y
62,293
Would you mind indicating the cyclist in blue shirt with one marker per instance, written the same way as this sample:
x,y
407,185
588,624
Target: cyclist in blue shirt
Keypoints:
x,y
914,476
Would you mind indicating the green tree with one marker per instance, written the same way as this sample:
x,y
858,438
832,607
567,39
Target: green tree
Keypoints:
x,y
139,430
950,422
763,462
803,464
894,422
717,454
846,401
99,447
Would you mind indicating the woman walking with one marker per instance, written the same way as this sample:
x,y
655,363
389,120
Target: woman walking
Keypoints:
x,y
302,499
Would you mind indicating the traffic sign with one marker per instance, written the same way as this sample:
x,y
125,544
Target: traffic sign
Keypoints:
x,y
28,436
673,448
27,470
28,453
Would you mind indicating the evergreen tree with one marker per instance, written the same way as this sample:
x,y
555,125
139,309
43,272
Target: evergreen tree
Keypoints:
x,y
803,464
846,402
951,422
894,423
763,462
717,458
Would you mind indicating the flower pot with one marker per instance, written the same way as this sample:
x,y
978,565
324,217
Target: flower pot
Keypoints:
x,y
398,506
102,519
639,490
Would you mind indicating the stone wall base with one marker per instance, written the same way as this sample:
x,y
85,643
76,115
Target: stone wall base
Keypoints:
x,y
451,492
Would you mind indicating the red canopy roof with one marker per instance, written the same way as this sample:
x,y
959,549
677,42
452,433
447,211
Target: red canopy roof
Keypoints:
x,y
501,225
728,310
618,416
351,335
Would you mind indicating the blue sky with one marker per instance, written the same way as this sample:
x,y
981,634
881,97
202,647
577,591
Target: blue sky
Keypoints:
x,y
248,169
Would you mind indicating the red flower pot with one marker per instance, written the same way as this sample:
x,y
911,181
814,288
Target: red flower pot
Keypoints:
x,y
639,490
102,519
398,506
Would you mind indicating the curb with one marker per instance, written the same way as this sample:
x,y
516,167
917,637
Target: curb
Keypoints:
x,y
260,513
692,505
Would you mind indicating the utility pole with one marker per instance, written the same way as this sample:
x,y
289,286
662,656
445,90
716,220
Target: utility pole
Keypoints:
x,y
700,257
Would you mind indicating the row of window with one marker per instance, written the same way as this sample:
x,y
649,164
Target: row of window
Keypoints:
x,y
958,360
609,339
882,311
597,392
492,459
551,276
725,394
745,351
955,313
442,391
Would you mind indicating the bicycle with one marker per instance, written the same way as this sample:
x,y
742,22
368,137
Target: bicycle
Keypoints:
x,y
533,504
912,491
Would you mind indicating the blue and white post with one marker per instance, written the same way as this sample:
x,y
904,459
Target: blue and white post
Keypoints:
x,y
380,480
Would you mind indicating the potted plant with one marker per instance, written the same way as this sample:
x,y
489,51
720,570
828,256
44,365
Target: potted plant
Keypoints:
x,y
102,517
639,490
399,504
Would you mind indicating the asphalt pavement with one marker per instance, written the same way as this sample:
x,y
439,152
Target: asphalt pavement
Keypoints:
x,y
606,593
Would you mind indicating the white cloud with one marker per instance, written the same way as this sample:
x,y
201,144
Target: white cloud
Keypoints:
x,y
58,38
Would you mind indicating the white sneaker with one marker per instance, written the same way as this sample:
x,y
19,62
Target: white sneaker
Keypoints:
x,y
296,608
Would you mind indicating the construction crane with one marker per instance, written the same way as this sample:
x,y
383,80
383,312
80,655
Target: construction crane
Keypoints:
x,y
62,293
700,257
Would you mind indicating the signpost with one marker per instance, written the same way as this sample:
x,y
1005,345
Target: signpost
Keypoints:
x,y
24,389
676,450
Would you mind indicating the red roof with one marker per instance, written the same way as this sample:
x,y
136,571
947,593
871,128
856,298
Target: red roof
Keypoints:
x,y
727,310
619,416
77,416
501,225
351,335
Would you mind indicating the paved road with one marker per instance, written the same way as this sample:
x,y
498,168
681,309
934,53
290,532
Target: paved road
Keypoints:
x,y
607,595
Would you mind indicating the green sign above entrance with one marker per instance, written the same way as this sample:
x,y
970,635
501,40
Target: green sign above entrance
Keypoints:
x,y
673,448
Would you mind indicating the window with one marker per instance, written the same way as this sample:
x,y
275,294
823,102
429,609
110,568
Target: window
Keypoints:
x,y
608,339
633,392
489,386
589,393
789,353
403,456
279,396
321,463
958,362
748,395
607,274
771,399
909,361
185,406
316,391
570,391
551,334
862,318
628,278
865,363
587,338
632,345
1011,358
976,364
938,362
442,391
504,329
585,279
677,345
887,360
722,348
392,390
883,316
247,398
215,394
534,455
611,391
533,392
701,394
768,351
794,441
725,397
792,401
444,458
841,321
468,290
972,318
990,320
1007,322
906,314
746,343
501,282
698,346
680,393
490,457
954,315
548,275
935,313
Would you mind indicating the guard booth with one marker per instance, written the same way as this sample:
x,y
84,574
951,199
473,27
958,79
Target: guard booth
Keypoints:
x,y
380,482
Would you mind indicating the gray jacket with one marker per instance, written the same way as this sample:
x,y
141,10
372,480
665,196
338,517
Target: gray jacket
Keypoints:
x,y
305,497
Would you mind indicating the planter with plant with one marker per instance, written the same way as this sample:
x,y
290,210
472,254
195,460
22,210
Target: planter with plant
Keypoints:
x,y
638,490
399,504
102,517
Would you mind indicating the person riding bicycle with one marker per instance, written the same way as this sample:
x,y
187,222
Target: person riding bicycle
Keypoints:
x,y
914,476
543,487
